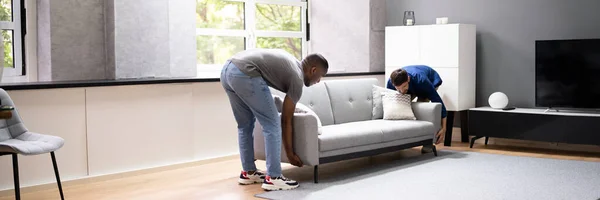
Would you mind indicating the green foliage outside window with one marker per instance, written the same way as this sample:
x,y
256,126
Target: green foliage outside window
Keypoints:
x,y
6,15
221,14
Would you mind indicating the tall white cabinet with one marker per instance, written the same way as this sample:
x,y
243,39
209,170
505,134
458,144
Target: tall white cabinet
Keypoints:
x,y
448,48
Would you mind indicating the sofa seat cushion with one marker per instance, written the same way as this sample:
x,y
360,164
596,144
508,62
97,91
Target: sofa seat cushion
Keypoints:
x,y
403,129
368,132
339,136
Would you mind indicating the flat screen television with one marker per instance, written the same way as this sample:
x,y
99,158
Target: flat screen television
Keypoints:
x,y
567,73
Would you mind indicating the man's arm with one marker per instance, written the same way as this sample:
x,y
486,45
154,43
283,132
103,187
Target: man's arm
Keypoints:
x,y
440,136
287,115
433,95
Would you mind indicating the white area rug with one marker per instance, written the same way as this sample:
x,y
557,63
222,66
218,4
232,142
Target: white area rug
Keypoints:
x,y
461,176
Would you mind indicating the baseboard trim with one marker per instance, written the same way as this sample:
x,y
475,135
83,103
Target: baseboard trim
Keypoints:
x,y
106,177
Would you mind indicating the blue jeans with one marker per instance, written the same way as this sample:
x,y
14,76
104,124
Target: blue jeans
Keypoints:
x,y
251,99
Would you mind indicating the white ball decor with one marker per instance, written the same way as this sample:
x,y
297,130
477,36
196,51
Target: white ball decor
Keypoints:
x,y
498,100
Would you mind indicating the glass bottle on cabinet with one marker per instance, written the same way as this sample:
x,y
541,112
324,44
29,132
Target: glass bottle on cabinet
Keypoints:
x,y
409,18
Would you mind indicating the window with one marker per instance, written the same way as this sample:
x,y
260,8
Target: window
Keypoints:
x,y
225,27
10,24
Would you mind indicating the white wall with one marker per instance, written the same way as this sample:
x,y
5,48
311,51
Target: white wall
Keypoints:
x,y
123,128
116,129
59,112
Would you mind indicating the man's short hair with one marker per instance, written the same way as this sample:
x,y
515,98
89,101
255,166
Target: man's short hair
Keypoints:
x,y
316,59
399,77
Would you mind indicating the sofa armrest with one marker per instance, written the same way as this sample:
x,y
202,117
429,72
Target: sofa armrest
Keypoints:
x,y
306,140
429,111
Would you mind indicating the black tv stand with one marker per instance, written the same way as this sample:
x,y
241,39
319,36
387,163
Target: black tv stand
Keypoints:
x,y
577,127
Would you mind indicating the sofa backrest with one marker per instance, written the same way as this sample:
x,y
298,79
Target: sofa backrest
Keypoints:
x,y
351,99
339,101
316,97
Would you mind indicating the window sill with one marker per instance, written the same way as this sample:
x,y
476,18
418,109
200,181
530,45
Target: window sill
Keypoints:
x,y
18,83
14,79
353,74
98,83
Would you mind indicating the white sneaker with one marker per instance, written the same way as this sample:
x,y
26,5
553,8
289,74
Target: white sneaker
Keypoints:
x,y
247,178
279,183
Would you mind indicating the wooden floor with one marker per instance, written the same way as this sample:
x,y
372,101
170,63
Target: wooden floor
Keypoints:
x,y
218,180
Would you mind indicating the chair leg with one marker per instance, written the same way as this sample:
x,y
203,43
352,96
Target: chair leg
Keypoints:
x,y
16,176
57,175
316,174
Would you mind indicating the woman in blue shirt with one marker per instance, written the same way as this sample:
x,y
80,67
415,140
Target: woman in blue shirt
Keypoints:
x,y
420,81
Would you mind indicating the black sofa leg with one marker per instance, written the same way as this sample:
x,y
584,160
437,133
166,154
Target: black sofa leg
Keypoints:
x,y
57,175
486,140
316,174
449,125
434,150
16,176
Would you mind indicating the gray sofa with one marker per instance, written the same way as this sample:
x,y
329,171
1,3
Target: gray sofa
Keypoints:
x,y
351,127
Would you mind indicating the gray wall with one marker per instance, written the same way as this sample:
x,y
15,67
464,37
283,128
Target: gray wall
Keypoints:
x,y
142,38
109,35
506,34
71,40
182,37
107,39
44,52
351,42
152,38
377,23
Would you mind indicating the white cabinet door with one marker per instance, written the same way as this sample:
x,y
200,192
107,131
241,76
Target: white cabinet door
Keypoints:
x,y
401,46
448,91
448,48
439,45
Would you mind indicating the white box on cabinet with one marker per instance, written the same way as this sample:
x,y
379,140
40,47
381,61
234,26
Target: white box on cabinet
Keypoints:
x,y
448,48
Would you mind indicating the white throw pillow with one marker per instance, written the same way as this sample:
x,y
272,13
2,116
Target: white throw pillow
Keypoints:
x,y
397,106
301,108
378,93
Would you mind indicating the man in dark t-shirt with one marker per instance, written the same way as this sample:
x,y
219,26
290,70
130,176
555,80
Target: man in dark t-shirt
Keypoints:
x,y
246,78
